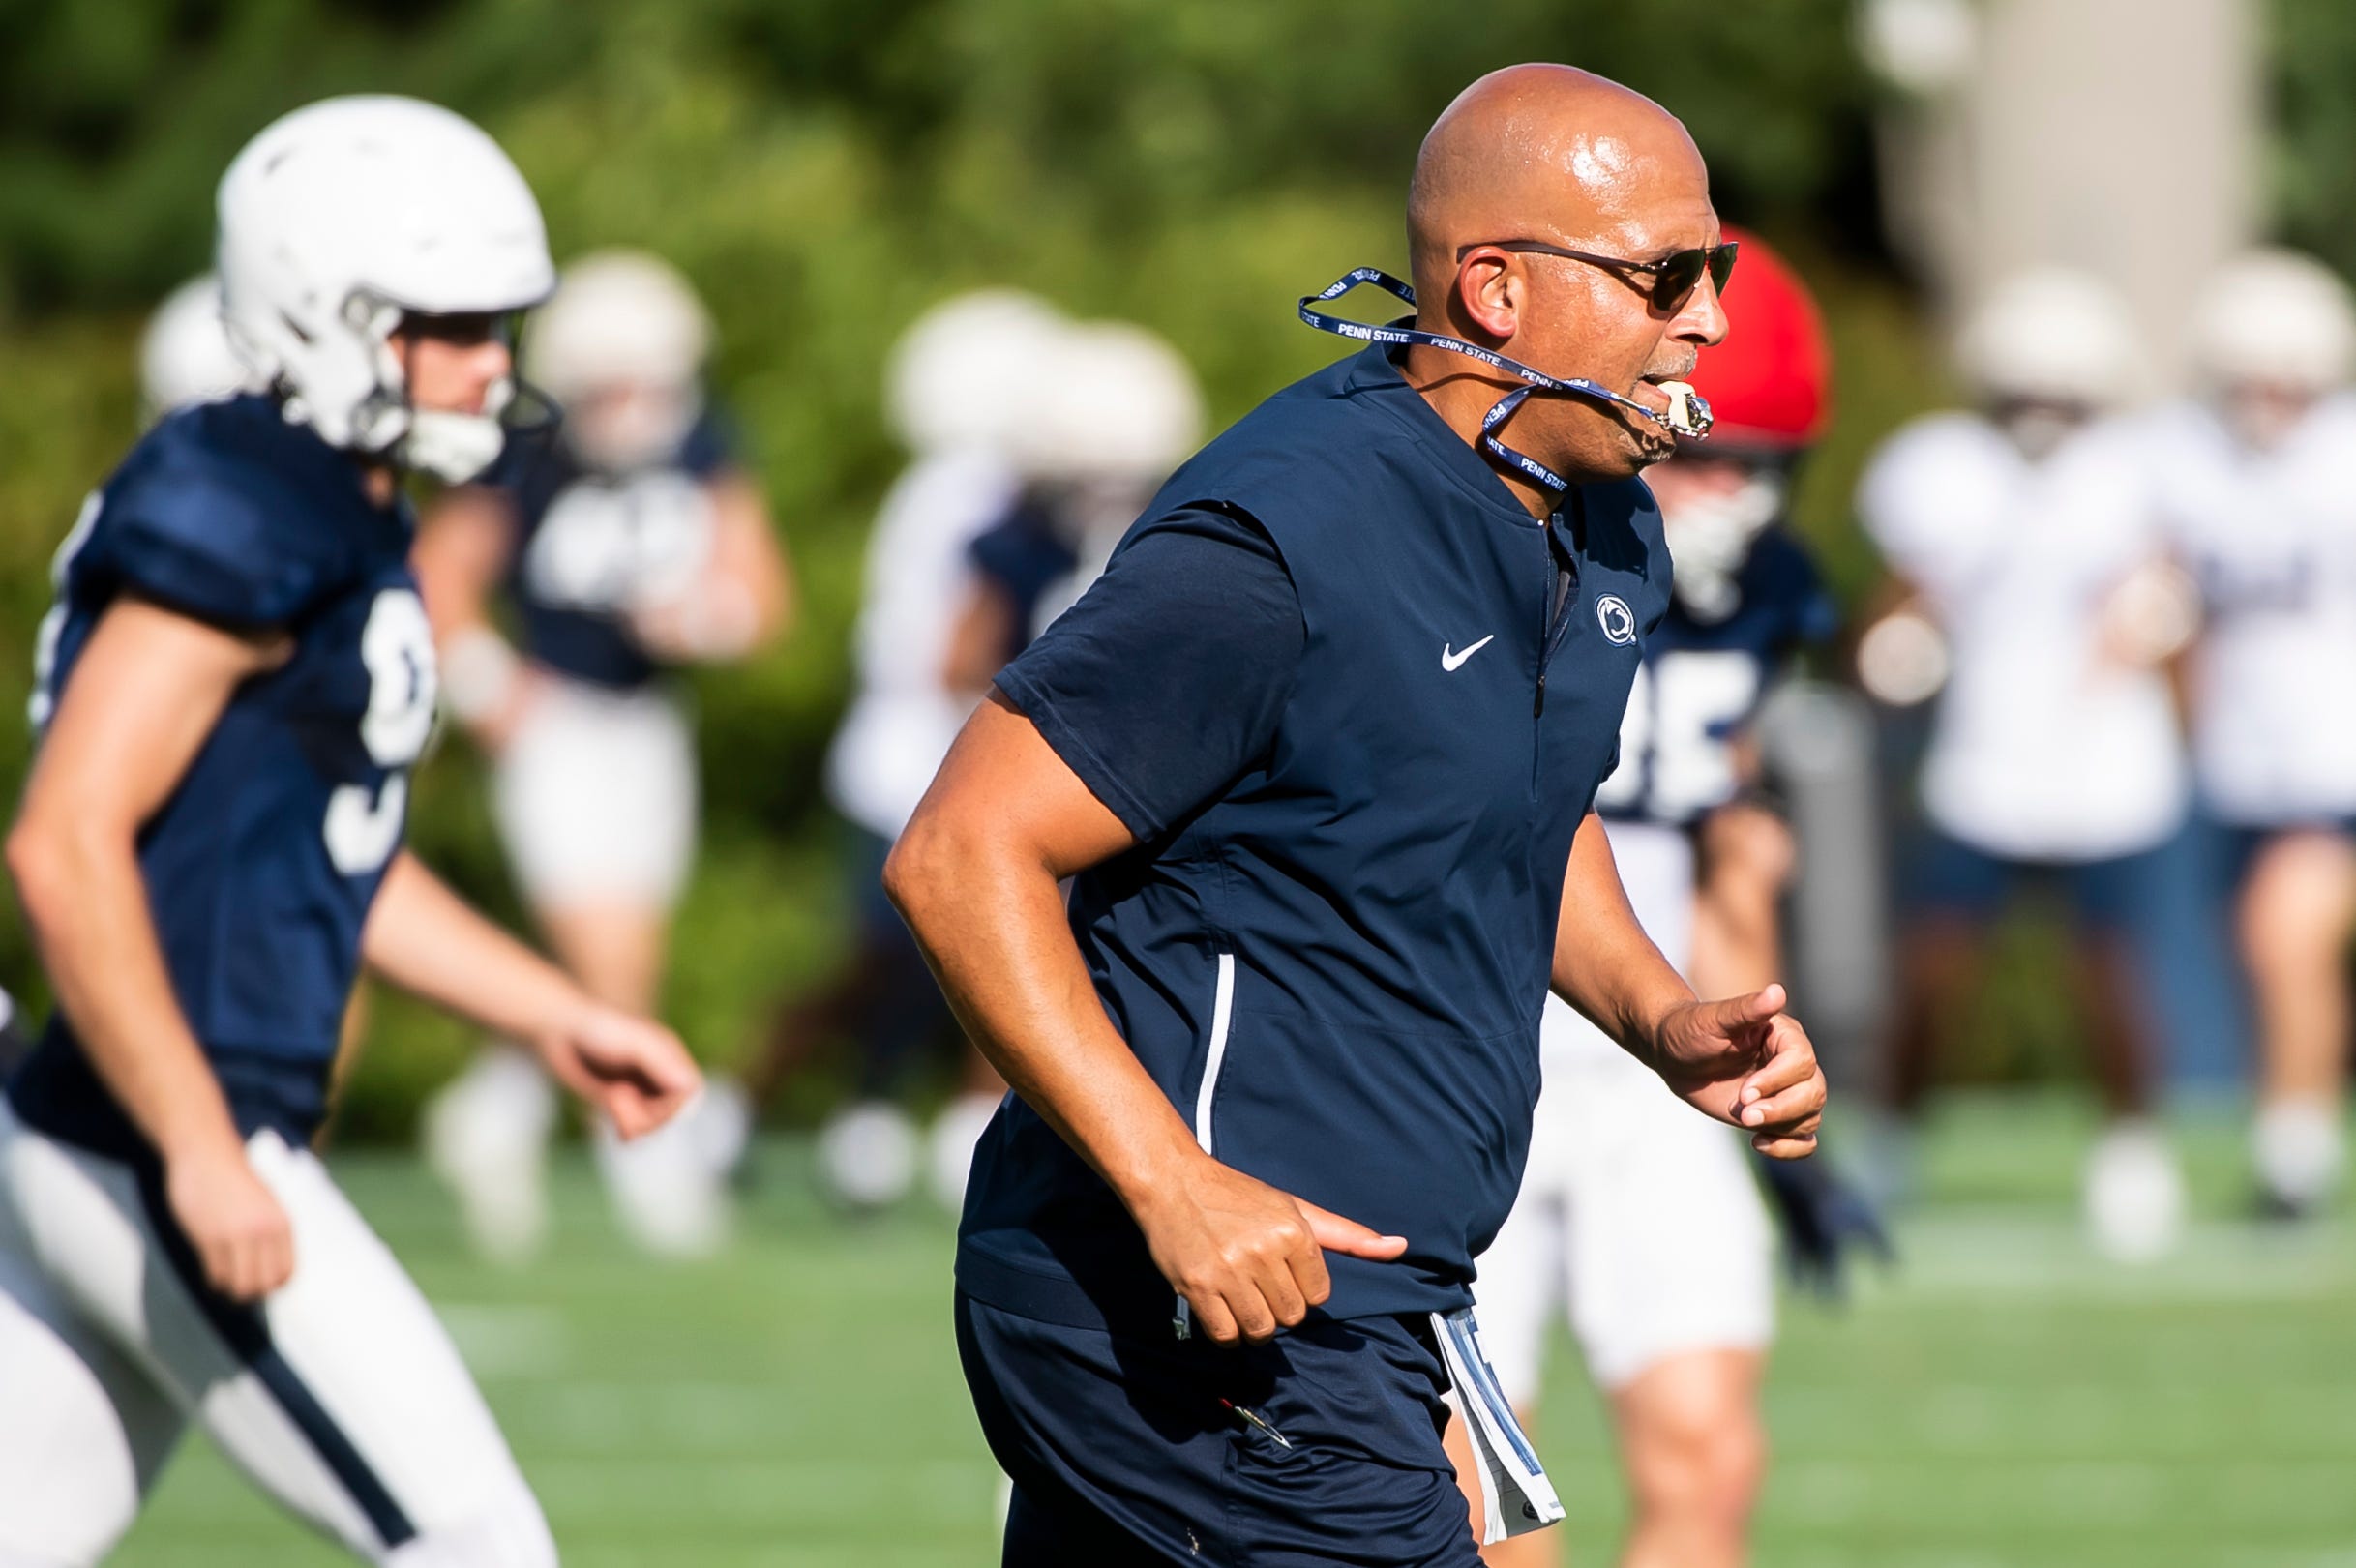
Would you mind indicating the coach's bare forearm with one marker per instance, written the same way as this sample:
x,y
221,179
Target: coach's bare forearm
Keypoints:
x,y
1604,964
991,920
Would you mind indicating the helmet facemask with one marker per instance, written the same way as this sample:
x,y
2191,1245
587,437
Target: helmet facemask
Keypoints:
x,y
1709,528
627,426
452,445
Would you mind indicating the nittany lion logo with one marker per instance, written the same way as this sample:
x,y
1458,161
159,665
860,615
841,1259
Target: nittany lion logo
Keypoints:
x,y
1619,622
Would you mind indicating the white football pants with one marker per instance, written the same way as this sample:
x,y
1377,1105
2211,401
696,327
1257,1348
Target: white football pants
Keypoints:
x,y
340,1396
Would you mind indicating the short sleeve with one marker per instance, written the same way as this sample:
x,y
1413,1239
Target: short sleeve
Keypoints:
x,y
1166,682
1817,620
195,543
711,448
1790,578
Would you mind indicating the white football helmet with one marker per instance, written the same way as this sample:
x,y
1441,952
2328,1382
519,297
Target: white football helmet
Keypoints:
x,y
2051,335
1120,405
2273,318
344,217
969,374
185,355
621,347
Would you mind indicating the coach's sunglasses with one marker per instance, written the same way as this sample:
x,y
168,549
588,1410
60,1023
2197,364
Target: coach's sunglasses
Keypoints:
x,y
1674,277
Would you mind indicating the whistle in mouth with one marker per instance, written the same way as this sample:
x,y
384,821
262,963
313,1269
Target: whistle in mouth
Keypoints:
x,y
1688,412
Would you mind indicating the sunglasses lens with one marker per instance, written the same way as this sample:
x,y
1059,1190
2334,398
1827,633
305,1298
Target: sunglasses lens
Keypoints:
x,y
1677,277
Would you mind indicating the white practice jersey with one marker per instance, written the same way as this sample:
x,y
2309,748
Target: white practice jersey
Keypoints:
x,y
2271,538
901,723
2046,746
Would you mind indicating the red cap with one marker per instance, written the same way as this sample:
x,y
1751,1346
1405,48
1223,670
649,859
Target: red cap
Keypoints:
x,y
1769,384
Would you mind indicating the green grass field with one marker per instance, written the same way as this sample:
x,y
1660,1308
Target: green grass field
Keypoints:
x,y
2003,1400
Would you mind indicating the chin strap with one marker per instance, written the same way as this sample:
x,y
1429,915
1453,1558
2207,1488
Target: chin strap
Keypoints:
x,y
1688,414
453,448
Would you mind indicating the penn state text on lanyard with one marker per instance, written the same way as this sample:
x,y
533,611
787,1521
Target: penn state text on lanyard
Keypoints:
x,y
1688,414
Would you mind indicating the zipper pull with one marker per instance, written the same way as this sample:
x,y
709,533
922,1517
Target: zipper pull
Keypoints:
x,y
1538,708
1258,1420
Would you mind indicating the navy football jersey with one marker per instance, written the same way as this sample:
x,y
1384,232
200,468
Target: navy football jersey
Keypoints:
x,y
1702,682
590,544
262,862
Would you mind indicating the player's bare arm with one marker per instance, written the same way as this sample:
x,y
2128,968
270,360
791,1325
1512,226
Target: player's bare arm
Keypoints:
x,y
425,939
1742,1060
979,636
746,551
975,876
146,693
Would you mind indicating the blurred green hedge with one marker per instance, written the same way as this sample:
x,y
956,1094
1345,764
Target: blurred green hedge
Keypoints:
x,y
823,171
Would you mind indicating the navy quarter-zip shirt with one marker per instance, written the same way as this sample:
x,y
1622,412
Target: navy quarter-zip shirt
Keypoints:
x,y
1354,701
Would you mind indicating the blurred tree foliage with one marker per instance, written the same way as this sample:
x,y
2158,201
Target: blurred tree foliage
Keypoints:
x,y
823,170
2311,176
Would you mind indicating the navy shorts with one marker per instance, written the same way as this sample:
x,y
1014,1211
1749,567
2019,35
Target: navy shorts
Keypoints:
x,y
1321,1448
2237,845
1946,876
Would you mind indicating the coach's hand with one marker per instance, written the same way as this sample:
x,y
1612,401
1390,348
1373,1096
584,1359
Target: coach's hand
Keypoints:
x,y
1248,1259
1746,1061
630,1068
235,1223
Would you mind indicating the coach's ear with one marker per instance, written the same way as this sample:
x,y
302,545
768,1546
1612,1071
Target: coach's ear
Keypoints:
x,y
1491,291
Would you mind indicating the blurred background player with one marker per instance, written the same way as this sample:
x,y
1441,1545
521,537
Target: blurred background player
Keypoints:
x,y
1068,429
232,686
2255,478
185,356
1119,411
1636,1215
962,385
630,544
2029,583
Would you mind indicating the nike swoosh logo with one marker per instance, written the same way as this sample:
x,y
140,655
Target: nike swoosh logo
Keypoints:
x,y
1451,661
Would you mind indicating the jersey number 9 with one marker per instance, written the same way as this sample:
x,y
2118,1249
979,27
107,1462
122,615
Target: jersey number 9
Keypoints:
x,y
396,645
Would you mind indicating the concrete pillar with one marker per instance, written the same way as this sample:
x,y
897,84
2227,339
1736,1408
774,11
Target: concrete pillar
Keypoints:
x,y
2119,136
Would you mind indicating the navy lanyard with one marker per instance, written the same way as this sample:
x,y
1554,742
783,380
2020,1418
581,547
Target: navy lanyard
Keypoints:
x,y
1696,422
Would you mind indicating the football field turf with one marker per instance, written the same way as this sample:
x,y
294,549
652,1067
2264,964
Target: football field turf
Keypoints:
x,y
2001,1400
